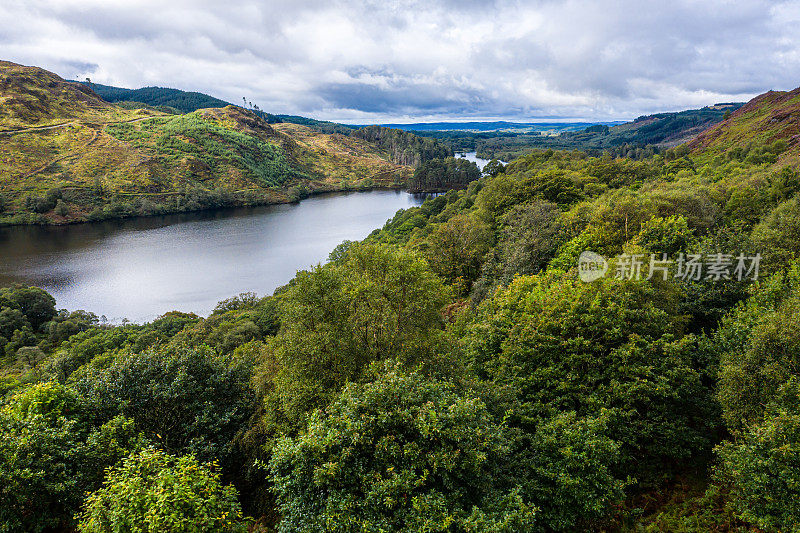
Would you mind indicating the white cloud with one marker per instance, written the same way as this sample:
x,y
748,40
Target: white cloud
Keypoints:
x,y
421,60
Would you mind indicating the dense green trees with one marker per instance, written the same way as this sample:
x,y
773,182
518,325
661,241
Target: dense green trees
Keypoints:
x,y
400,454
456,250
51,453
443,174
564,345
762,465
404,147
372,304
154,491
186,400
158,96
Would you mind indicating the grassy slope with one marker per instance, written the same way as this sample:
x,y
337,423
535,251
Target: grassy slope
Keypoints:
x,y
34,97
772,116
107,154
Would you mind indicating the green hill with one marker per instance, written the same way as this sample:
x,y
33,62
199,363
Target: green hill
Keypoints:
x,y
67,155
773,117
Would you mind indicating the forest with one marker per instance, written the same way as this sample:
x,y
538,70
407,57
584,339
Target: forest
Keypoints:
x,y
639,138
451,372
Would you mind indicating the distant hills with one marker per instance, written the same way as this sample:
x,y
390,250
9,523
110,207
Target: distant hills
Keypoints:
x,y
644,135
498,126
502,139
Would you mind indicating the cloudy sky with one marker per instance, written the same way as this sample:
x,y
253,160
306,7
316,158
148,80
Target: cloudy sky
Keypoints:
x,y
383,60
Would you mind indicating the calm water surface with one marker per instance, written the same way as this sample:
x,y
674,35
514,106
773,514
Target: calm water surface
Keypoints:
x,y
473,156
141,268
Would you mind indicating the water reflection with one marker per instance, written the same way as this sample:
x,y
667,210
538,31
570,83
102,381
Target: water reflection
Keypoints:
x,y
141,268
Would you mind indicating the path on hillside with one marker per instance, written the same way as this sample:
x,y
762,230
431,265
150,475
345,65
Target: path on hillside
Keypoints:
x,y
70,123
95,135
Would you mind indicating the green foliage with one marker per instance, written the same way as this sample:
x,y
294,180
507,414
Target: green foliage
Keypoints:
x,y
443,174
564,345
760,349
155,491
158,96
185,400
50,455
777,236
530,235
456,250
400,454
404,147
374,303
210,143
567,465
666,235
762,467
36,304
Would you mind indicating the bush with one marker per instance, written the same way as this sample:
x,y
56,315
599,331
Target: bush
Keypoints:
x,y
50,455
154,491
187,401
400,454
777,236
564,345
373,304
761,351
762,468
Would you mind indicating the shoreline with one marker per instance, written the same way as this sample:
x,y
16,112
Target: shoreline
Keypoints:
x,y
309,194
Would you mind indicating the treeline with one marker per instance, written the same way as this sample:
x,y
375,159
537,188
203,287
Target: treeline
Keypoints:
x,y
184,101
404,148
439,175
94,204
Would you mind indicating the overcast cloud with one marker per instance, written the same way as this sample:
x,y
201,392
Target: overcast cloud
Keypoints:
x,y
381,61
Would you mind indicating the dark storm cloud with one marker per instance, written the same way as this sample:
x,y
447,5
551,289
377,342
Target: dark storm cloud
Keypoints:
x,y
419,59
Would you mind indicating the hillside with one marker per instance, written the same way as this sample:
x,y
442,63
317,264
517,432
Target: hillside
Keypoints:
x,y
33,97
773,117
660,131
96,160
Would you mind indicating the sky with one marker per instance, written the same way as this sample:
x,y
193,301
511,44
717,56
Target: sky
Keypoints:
x,y
414,61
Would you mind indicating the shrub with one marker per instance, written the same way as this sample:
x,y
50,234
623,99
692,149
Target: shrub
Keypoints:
x,y
762,468
400,454
50,455
154,491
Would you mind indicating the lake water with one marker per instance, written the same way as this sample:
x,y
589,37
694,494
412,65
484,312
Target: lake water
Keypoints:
x,y
473,156
141,268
